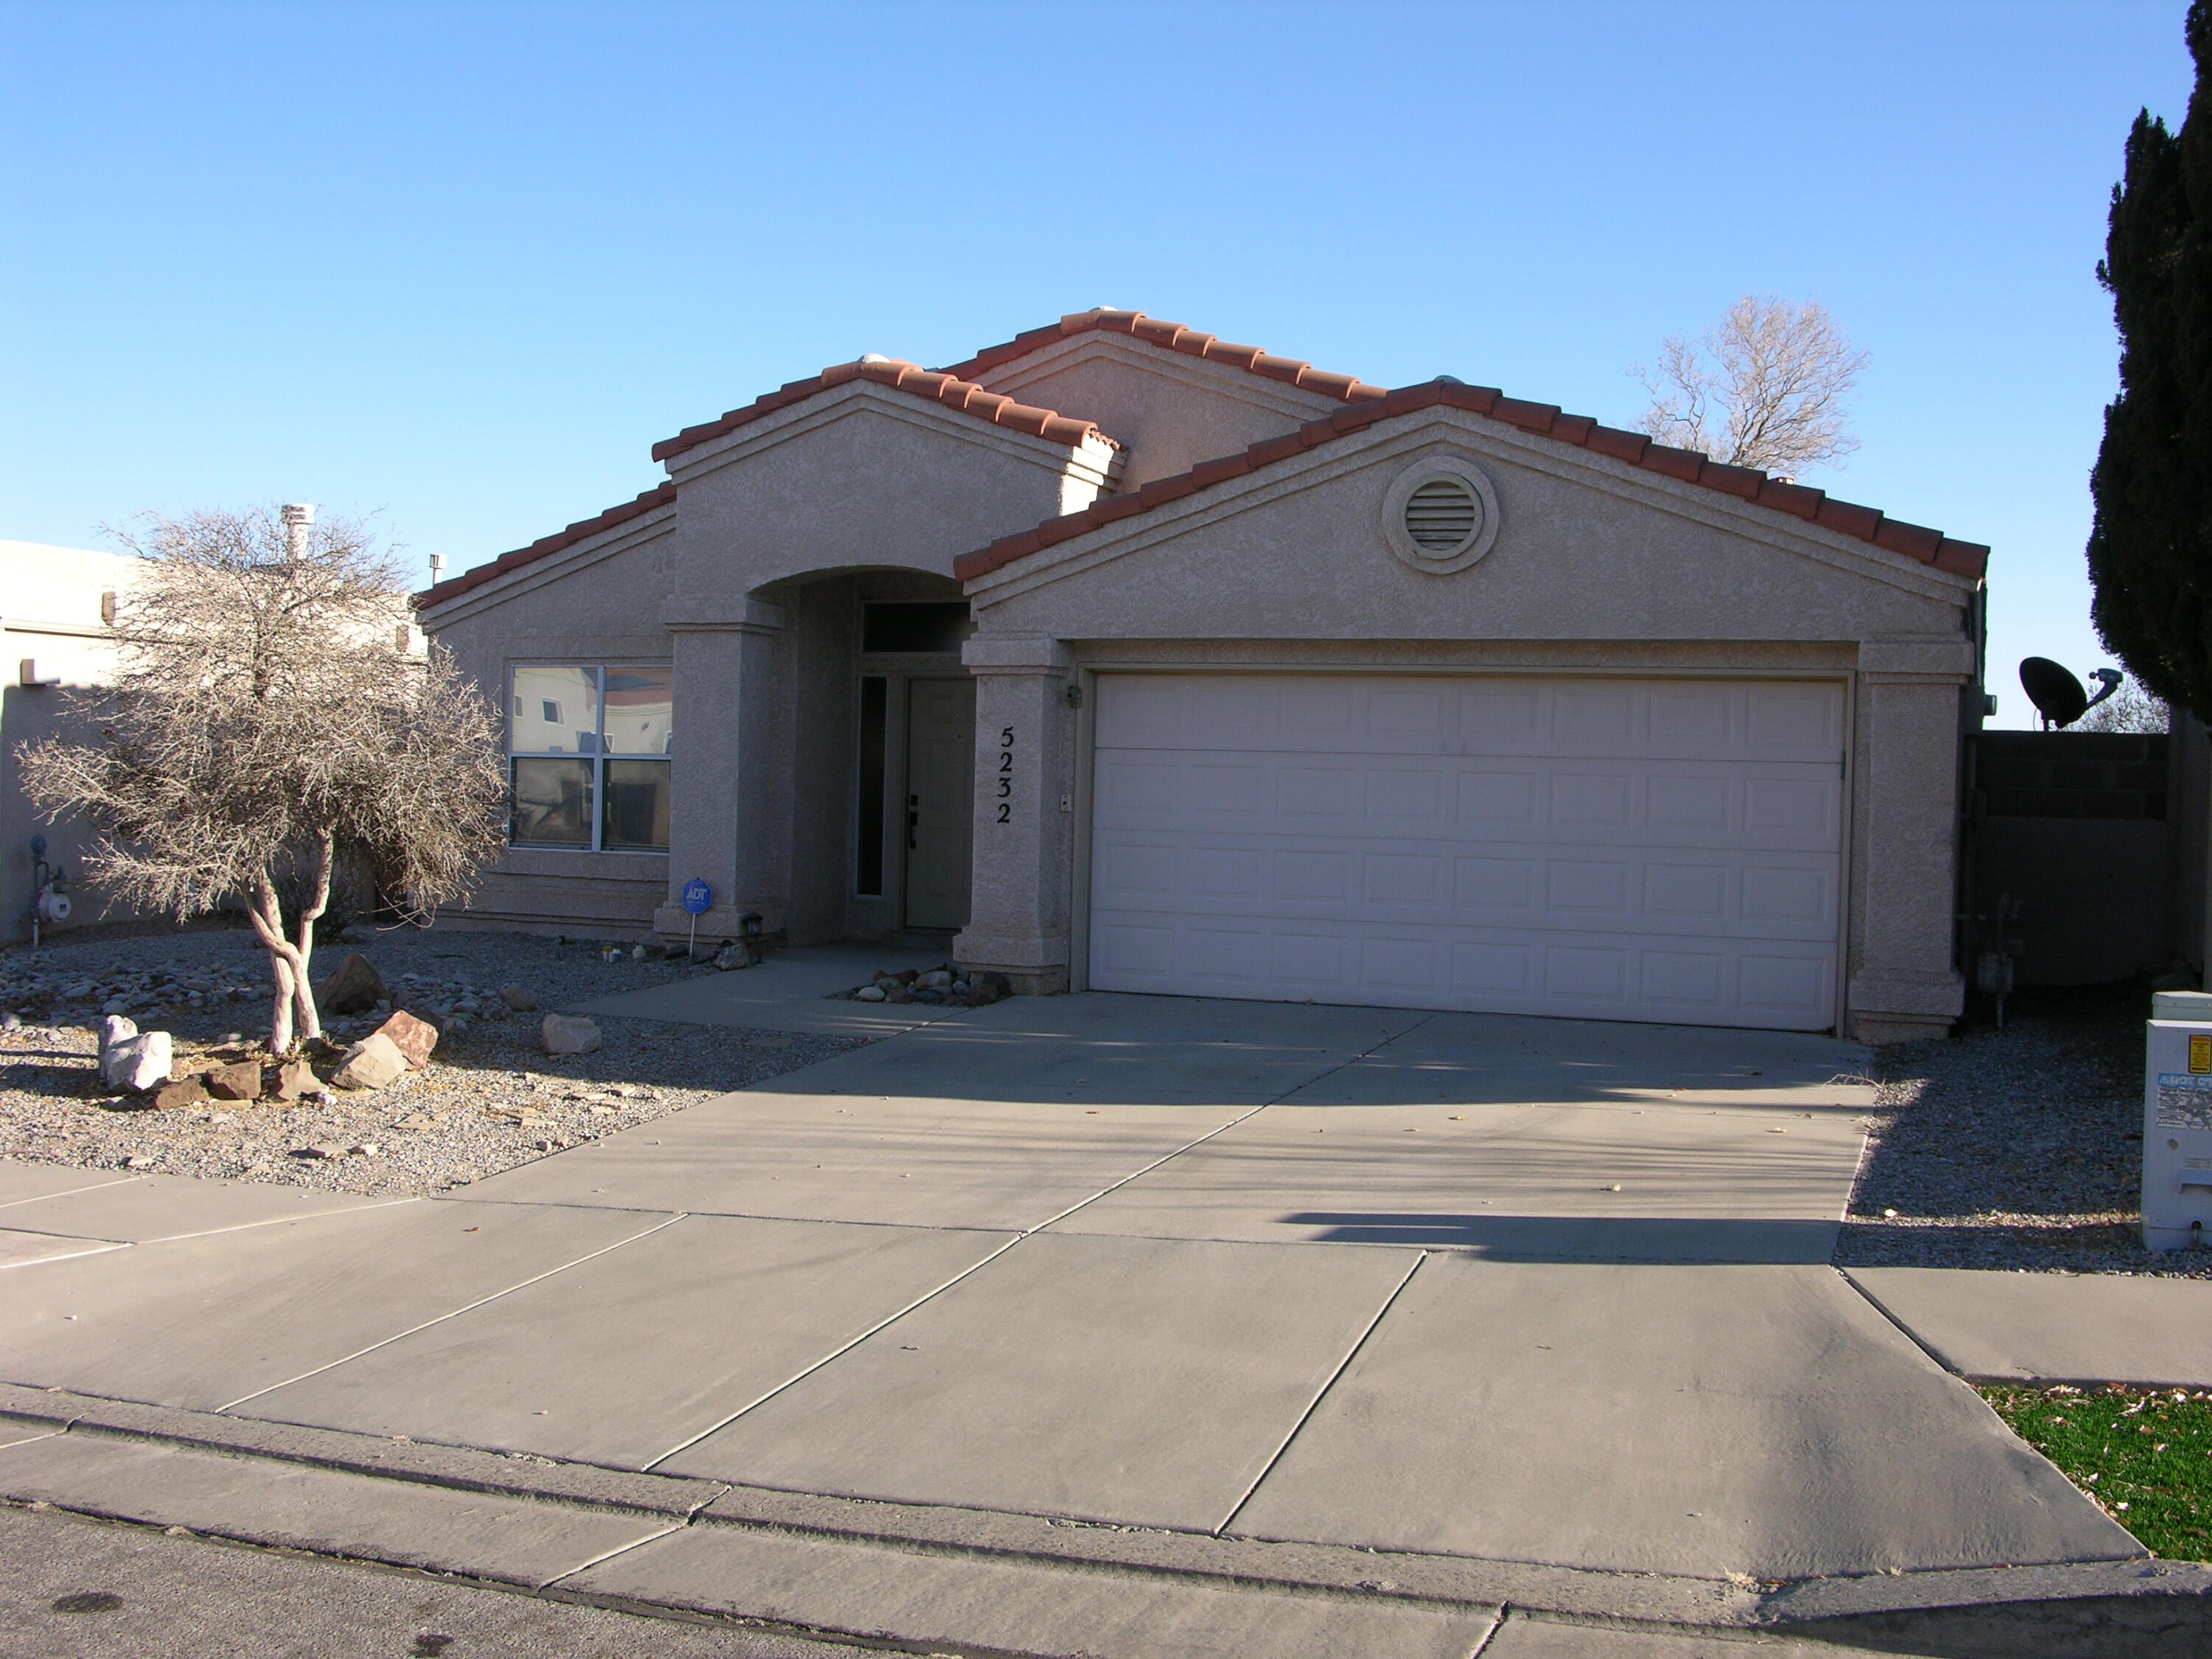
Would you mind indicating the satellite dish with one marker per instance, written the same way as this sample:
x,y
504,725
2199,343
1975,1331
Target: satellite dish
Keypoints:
x,y
2057,695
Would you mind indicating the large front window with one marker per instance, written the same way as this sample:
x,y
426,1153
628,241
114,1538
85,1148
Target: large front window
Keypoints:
x,y
588,757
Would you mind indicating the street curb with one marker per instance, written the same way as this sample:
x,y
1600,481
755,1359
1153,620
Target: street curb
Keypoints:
x,y
2135,1609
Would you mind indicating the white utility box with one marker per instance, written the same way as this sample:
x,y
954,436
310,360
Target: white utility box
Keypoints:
x,y
2177,1184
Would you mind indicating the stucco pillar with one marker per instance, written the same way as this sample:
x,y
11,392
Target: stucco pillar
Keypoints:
x,y
1903,982
730,787
1017,919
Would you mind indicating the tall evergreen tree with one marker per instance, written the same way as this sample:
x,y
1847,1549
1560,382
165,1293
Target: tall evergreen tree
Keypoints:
x,y
2150,546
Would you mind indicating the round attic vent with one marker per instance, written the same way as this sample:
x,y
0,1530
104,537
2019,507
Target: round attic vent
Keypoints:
x,y
1441,515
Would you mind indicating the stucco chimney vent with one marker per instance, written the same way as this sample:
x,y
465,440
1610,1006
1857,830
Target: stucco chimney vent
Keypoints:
x,y
1441,514
299,517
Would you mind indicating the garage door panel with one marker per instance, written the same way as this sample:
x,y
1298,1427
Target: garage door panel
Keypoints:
x,y
1786,896
1631,976
1626,849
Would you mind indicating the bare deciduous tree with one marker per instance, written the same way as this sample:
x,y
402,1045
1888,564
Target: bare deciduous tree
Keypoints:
x,y
2131,708
1764,387
266,720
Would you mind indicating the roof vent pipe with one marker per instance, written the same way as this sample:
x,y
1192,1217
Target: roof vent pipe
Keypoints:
x,y
298,518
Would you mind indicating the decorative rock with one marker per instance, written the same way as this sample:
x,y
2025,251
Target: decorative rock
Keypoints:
x,y
733,955
138,1063
239,1081
139,1161
185,1092
113,1028
295,1080
929,994
982,995
354,988
906,976
413,1037
936,979
375,1062
320,1150
568,1034
869,994
899,995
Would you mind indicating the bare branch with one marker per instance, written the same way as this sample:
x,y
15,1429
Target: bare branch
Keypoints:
x,y
1775,375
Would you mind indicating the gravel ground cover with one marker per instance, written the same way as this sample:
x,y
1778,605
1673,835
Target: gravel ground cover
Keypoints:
x,y
2142,1456
2016,1148
491,1098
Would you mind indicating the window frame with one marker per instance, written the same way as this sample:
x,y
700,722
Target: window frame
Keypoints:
x,y
596,757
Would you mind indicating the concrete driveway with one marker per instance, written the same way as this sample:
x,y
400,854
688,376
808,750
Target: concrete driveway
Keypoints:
x,y
1525,1291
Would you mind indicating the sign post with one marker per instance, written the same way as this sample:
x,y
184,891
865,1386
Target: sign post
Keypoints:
x,y
698,899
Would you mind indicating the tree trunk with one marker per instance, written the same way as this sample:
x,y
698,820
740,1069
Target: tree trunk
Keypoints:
x,y
285,964
311,1021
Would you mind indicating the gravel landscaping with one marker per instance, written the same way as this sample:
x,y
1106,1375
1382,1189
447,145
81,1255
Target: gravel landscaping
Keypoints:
x,y
2018,1148
490,1099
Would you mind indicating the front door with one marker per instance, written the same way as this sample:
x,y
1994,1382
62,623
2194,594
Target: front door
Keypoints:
x,y
940,803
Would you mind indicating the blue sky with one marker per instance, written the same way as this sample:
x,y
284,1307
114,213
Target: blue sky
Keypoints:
x,y
462,263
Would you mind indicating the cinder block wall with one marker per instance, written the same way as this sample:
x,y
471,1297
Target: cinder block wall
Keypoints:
x,y
2074,824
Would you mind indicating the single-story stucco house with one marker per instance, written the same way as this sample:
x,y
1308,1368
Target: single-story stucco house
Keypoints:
x,y
1146,662
57,636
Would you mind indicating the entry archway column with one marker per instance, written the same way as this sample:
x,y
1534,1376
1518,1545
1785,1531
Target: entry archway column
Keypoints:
x,y
1026,742
730,773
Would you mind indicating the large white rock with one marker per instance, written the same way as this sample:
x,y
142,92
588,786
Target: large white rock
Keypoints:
x,y
568,1034
375,1062
113,1029
137,1063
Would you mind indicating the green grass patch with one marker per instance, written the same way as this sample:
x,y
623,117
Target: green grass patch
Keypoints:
x,y
2144,1455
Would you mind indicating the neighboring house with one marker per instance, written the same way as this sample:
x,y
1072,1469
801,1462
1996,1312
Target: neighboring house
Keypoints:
x,y
1153,663
56,605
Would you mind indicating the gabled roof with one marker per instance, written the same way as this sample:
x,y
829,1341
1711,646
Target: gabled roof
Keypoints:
x,y
1746,483
937,386
1173,336
583,530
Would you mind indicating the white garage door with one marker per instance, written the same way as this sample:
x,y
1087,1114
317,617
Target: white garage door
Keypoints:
x,y
1607,848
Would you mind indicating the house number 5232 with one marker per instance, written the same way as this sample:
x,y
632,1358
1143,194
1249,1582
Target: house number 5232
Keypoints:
x,y
1005,774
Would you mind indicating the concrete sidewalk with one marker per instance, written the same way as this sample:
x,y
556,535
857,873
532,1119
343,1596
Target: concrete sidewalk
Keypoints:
x,y
2052,1327
1246,1277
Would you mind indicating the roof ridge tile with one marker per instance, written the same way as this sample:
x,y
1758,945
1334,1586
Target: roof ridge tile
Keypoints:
x,y
939,385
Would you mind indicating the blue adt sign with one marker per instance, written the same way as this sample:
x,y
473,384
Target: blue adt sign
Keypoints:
x,y
698,898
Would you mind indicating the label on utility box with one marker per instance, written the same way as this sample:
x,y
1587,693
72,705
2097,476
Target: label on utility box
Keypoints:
x,y
2200,1054
2185,1099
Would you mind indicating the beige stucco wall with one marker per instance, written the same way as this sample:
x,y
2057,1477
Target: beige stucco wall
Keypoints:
x,y
50,611
1595,568
1171,410
750,585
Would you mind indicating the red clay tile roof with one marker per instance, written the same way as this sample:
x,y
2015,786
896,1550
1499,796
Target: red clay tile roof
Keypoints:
x,y
453,586
936,386
1174,337
1928,546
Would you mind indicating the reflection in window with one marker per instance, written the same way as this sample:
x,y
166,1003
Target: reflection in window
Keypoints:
x,y
636,818
552,803
610,797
